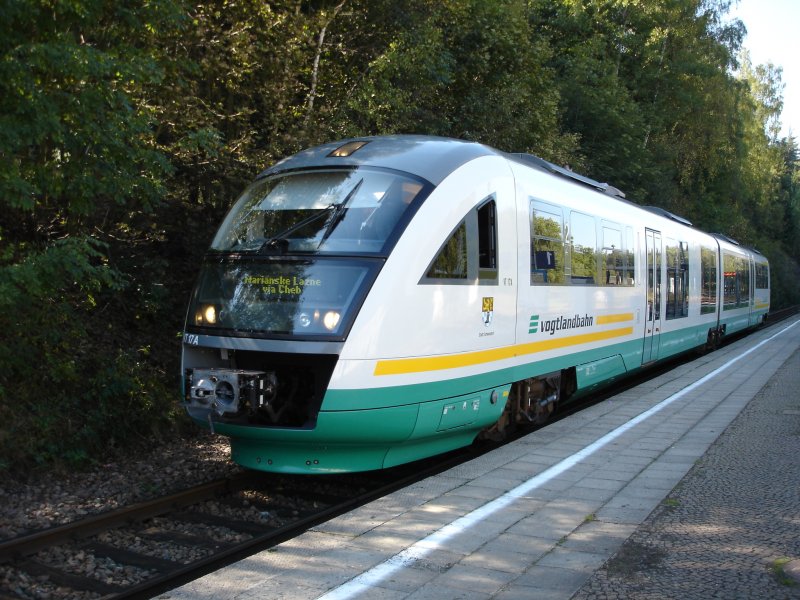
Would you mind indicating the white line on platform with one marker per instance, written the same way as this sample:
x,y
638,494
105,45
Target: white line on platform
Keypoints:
x,y
438,539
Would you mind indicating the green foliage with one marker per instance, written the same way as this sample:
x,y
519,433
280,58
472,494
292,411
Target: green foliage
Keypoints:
x,y
64,401
78,164
75,128
468,69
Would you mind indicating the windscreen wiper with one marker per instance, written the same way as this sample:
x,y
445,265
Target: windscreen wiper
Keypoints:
x,y
339,212
280,241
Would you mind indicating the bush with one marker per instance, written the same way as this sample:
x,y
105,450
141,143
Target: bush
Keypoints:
x,y
68,395
784,275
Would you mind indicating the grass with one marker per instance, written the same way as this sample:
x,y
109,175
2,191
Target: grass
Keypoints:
x,y
780,574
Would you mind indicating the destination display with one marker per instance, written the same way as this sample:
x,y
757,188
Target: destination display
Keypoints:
x,y
278,298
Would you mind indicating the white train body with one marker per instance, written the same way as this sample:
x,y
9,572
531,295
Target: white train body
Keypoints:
x,y
510,286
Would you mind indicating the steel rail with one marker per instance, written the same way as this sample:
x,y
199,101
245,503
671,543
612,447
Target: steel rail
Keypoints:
x,y
27,544
169,574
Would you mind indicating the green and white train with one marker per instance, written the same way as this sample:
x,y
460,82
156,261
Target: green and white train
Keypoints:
x,y
374,301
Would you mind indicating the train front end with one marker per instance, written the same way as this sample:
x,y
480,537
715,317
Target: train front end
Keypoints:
x,y
277,294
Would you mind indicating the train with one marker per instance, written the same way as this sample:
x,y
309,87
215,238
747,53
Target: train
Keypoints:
x,y
374,301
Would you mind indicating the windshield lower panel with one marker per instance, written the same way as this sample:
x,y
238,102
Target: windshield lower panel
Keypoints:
x,y
296,299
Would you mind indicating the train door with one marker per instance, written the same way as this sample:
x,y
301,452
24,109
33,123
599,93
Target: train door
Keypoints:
x,y
652,324
752,292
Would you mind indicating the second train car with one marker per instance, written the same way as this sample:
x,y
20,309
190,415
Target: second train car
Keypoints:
x,y
374,301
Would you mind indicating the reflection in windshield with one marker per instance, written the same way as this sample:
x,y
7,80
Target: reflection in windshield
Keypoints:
x,y
285,298
352,211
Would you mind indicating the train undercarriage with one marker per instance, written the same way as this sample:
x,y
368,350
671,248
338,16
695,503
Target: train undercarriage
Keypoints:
x,y
289,393
532,402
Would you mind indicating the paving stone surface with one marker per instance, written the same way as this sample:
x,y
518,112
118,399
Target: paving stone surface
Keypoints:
x,y
698,499
731,526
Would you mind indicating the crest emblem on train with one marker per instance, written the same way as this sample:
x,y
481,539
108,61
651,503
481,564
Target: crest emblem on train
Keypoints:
x,y
488,310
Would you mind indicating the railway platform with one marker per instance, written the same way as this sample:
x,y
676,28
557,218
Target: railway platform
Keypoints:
x,y
685,486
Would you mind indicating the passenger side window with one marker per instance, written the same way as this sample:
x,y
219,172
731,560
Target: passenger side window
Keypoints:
x,y
736,291
730,291
470,253
762,277
677,279
613,255
743,279
708,293
628,277
583,249
547,243
576,254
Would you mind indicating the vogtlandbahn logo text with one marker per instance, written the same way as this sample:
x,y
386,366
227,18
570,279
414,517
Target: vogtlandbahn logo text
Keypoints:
x,y
559,323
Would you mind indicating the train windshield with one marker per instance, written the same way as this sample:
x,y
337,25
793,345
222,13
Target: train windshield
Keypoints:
x,y
354,211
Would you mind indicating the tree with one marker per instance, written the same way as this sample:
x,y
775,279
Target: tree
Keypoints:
x,y
79,171
464,69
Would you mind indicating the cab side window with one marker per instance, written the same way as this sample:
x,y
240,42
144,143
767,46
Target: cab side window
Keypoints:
x,y
451,262
487,242
470,253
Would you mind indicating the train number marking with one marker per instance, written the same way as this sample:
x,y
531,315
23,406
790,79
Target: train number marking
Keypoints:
x,y
191,338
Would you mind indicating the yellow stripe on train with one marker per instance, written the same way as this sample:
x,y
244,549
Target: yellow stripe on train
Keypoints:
x,y
405,366
620,318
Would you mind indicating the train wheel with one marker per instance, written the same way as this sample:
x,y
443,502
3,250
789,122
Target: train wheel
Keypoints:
x,y
536,399
543,412
713,341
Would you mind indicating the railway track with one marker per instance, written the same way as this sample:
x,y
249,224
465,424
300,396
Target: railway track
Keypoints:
x,y
153,546
779,315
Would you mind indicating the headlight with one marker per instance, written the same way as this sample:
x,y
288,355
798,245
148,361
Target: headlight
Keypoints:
x,y
331,320
206,315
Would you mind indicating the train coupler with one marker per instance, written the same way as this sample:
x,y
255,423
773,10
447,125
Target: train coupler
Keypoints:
x,y
227,391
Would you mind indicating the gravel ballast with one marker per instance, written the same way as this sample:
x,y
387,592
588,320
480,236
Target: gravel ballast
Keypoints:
x,y
49,500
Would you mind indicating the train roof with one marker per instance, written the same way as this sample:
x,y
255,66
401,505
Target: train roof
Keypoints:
x,y
733,242
432,158
657,210
543,165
